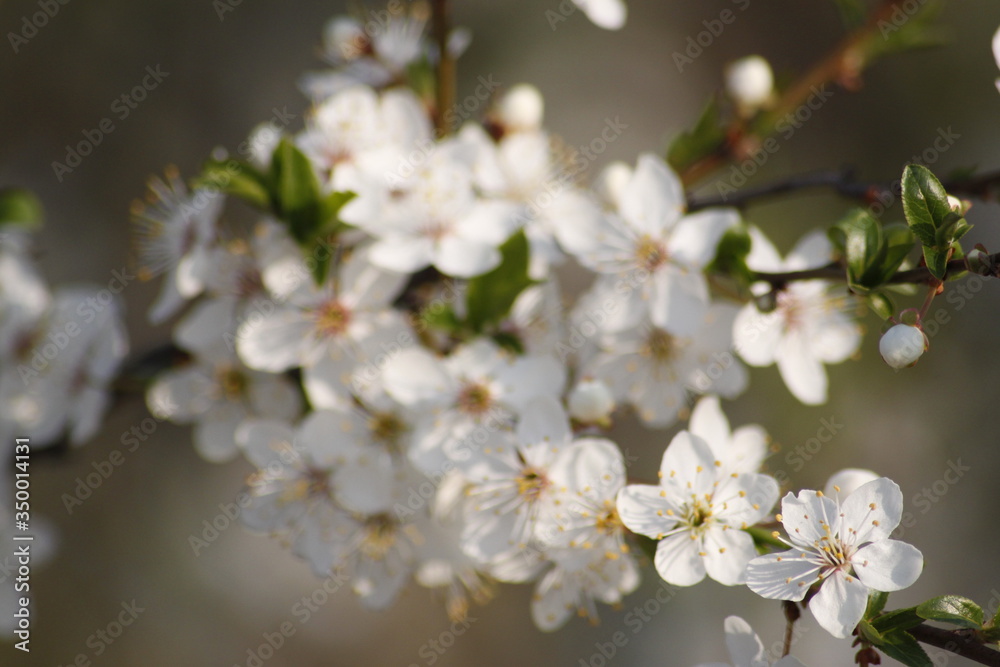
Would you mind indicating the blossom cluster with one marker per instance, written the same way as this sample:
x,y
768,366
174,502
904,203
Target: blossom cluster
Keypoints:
x,y
60,350
424,401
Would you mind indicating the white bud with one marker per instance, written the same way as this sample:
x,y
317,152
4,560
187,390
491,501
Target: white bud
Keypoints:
x,y
902,345
591,402
521,108
611,182
345,37
749,82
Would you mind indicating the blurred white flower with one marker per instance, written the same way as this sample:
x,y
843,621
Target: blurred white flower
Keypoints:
x,y
607,14
750,83
808,327
746,649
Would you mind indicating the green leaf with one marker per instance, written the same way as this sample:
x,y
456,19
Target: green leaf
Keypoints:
x,y
690,147
925,202
295,191
440,318
871,635
509,341
937,261
20,208
899,243
897,619
876,603
900,645
852,12
731,255
240,179
764,538
953,609
490,296
881,305
330,206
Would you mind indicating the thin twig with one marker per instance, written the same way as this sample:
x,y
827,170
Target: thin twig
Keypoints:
x,y
843,66
836,272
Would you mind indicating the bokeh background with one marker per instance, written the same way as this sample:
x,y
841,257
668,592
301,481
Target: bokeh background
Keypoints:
x,y
130,540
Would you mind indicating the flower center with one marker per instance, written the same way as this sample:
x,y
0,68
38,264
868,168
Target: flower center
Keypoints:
x,y
379,536
698,515
474,399
531,483
332,319
650,254
386,428
660,345
232,381
608,522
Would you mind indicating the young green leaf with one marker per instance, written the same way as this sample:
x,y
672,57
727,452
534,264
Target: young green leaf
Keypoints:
x,y
953,609
240,179
490,296
20,208
881,305
295,191
691,146
925,202
897,619
731,255
900,645
876,603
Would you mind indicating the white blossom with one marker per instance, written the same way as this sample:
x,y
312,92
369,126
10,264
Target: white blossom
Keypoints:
x,y
698,513
841,547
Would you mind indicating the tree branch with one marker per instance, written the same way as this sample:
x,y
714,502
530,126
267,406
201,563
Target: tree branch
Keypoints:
x,y
843,183
959,642
836,272
446,68
842,66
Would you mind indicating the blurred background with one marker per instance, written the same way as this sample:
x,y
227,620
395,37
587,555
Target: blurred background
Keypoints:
x,y
130,539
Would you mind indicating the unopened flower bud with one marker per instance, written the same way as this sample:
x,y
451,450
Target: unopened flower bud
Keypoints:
x,y
591,402
750,83
345,37
521,108
902,345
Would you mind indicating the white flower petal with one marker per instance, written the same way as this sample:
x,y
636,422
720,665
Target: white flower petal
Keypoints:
x,y
642,509
653,201
694,240
873,510
745,647
888,565
757,336
840,604
463,258
679,300
781,576
727,554
677,560
544,421
802,372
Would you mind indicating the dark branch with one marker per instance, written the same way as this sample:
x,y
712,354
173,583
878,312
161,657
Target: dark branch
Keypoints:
x,y
843,183
959,642
836,272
